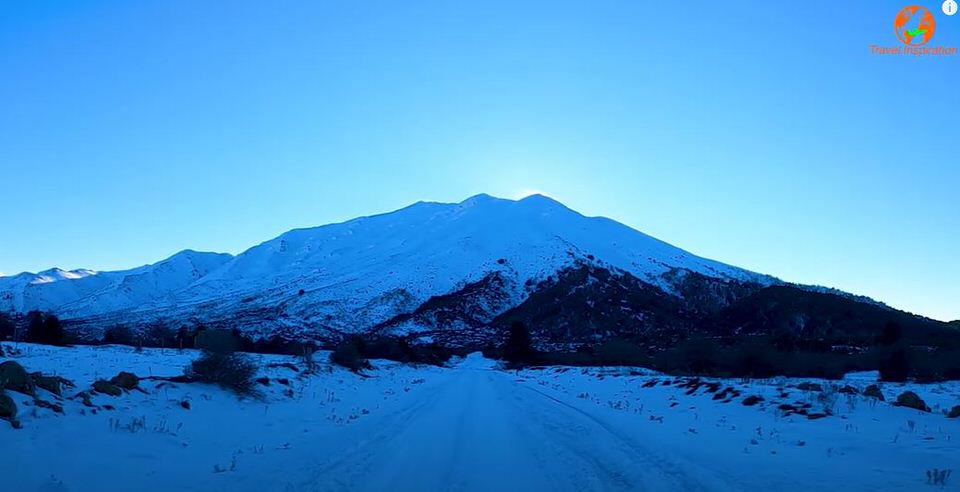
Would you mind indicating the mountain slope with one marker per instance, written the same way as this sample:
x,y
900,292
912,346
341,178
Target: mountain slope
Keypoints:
x,y
588,305
371,272
79,291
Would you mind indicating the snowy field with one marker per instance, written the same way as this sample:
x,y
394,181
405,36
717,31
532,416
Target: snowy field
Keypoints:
x,y
466,427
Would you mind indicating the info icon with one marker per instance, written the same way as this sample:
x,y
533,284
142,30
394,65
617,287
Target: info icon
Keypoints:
x,y
949,7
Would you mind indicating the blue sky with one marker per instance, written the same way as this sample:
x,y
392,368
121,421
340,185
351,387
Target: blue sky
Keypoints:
x,y
761,134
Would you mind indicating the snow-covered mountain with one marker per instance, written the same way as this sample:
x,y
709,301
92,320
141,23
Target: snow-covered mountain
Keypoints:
x,y
87,291
358,274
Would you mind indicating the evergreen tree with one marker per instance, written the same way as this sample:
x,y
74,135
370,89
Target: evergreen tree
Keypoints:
x,y
7,328
518,348
45,329
891,334
896,366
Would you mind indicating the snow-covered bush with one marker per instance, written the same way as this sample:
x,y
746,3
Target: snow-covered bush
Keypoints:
x,y
229,370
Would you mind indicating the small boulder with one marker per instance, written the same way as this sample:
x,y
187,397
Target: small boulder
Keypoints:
x,y
84,397
14,378
8,407
910,399
752,400
125,380
107,388
56,407
849,390
49,383
723,394
185,404
873,391
954,412
810,387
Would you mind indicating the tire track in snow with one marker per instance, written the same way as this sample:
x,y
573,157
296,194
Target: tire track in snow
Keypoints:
x,y
480,430
657,471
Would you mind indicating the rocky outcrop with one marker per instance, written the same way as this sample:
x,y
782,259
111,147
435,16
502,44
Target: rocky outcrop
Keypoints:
x,y
55,407
910,399
752,400
14,377
107,388
460,317
125,380
849,390
8,407
873,391
85,398
53,384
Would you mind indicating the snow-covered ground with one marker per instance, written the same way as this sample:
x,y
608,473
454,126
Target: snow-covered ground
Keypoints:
x,y
467,427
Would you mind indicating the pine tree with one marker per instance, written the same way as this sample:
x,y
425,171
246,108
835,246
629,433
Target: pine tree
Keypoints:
x,y
44,329
7,328
896,366
518,348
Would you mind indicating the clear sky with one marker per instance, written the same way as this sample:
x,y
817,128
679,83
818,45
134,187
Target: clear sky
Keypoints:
x,y
761,134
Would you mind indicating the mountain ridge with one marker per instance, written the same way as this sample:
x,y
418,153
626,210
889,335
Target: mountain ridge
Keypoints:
x,y
385,272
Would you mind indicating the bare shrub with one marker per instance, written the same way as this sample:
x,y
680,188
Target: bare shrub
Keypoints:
x,y
828,398
349,354
309,364
229,370
938,477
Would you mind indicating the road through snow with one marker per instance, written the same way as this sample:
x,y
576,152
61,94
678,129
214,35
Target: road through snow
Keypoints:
x,y
462,428
481,430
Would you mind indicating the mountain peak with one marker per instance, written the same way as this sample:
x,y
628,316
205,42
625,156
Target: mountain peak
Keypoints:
x,y
56,274
542,200
480,199
192,253
537,197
